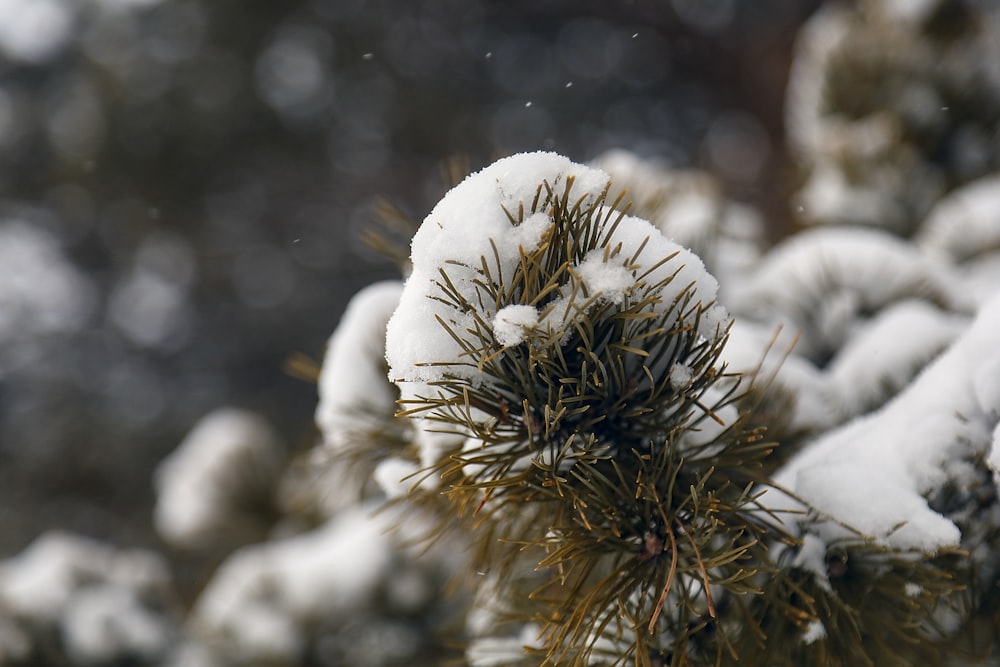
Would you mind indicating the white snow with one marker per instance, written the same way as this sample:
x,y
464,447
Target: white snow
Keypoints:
x,y
206,487
886,352
40,581
393,476
352,382
994,458
965,223
499,651
714,322
103,622
604,278
680,376
910,11
823,279
434,441
688,207
873,473
767,353
469,226
980,277
465,227
264,596
103,602
814,632
812,558
510,324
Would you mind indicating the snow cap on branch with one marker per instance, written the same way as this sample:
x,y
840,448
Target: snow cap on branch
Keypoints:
x,y
488,221
875,473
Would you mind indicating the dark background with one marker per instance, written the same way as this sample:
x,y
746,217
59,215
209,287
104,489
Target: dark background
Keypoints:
x,y
207,167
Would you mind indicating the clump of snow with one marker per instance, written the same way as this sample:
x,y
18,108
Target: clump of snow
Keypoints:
x,y
828,197
964,224
814,632
471,225
352,381
610,280
207,488
910,11
511,323
394,476
822,280
812,558
980,276
871,150
886,352
465,227
876,503
875,473
688,207
265,596
433,441
766,353
714,322
106,604
680,376
103,623
820,37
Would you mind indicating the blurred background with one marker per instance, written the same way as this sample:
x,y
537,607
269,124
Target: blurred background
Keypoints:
x,y
183,185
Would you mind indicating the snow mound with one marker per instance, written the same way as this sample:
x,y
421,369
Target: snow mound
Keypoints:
x,y
473,226
208,489
875,473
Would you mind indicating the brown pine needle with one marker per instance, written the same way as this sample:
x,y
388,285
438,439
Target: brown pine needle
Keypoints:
x,y
704,572
667,585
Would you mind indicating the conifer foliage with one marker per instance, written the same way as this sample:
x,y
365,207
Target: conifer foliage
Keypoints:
x,y
563,366
592,439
